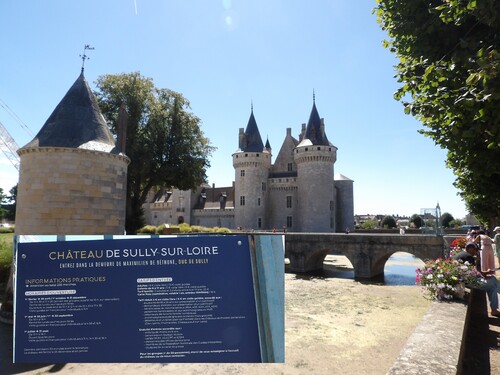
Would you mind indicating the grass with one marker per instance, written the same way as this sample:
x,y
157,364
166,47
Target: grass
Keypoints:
x,y
5,254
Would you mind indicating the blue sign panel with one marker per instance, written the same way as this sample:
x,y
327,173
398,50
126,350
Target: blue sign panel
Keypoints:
x,y
188,299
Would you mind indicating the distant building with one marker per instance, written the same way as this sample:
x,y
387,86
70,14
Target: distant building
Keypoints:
x,y
298,192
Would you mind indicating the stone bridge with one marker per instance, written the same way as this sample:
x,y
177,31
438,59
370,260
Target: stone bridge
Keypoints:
x,y
367,252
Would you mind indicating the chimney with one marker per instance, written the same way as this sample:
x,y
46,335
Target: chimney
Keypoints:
x,y
241,139
303,132
122,128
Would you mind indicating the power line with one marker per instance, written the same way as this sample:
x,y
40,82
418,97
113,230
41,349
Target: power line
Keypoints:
x,y
9,146
16,118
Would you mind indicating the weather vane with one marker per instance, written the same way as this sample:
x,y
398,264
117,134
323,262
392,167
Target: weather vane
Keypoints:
x,y
84,56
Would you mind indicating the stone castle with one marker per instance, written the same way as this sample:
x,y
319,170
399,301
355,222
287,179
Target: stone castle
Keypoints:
x,y
298,192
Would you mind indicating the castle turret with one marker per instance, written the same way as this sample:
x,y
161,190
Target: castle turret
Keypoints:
x,y
251,162
315,157
73,178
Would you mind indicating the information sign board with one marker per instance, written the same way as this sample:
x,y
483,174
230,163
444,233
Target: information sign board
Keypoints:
x,y
176,299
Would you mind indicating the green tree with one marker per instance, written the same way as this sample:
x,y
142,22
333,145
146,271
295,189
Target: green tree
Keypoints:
x,y
3,197
388,222
446,219
11,203
417,220
456,223
449,69
369,224
164,140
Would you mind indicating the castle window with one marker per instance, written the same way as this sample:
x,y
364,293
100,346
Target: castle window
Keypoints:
x,y
307,148
288,201
246,155
329,149
289,221
242,200
289,167
242,173
259,222
258,201
258,155
319,148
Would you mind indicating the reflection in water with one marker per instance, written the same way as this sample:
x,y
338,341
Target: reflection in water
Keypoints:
x,y
399,270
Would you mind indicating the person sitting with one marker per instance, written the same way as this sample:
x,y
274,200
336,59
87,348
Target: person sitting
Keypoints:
x,y
489,282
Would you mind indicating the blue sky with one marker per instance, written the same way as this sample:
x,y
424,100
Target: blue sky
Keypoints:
x,y
222,56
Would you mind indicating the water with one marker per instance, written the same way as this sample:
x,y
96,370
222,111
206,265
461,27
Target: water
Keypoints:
x,y
400,269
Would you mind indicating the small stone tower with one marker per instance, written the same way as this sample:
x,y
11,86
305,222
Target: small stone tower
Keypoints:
x,y
252,162
344,198
314,157
73,178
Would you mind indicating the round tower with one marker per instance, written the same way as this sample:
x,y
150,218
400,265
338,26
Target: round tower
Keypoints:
x,y
73,178
251,163
315,157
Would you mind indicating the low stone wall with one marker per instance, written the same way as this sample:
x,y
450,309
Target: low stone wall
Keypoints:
x,y
445,343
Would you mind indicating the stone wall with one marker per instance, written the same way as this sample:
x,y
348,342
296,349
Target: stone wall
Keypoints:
x,y
71,191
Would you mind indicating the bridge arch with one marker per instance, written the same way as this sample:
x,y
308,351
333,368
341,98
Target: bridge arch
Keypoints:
x,y
367,253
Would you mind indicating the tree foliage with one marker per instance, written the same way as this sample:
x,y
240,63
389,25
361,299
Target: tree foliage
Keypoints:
x,y
3,197
369,224
164,140
417,220
456,223
449,69
388,222
446,219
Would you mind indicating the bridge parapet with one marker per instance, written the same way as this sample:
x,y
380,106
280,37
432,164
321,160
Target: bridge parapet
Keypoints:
x,y
368,253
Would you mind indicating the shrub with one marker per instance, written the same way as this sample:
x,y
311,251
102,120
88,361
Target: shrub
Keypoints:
x,y
184,228
4,230
6,252
369,224
148,229
457,223
222,230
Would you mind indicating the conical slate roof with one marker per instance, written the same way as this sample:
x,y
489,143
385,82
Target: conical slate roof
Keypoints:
x,y
76,122
252,136
268,145
314,131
